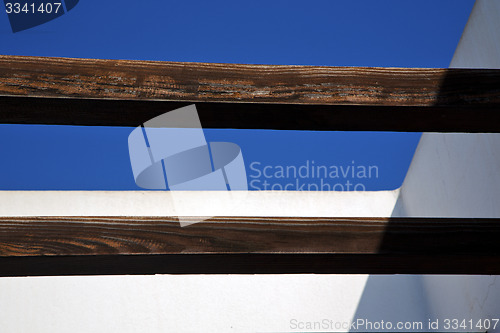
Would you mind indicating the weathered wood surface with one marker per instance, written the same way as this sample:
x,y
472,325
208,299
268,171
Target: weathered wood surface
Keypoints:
x,y
251,245
197,82
127,93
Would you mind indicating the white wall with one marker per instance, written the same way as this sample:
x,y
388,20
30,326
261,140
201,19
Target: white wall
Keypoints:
x,y
424,298
463,297
455,175
479,45
200,203
459,174
175,303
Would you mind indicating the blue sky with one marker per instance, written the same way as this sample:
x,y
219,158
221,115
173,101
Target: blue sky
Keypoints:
x,y
384,33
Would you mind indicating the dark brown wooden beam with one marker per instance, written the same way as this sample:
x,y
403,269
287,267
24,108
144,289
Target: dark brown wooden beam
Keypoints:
x,y
127,93
202,82
248,263
89,112
119,245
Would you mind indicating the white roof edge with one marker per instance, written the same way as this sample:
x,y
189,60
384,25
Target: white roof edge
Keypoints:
x,y
198,203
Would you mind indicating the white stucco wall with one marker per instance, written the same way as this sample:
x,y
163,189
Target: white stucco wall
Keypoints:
x,y
453,175
458,175
198,203
175,303
184,303
463,297
479,45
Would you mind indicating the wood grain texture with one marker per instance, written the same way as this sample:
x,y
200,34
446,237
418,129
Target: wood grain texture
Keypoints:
x,y
197,82
246,241
127,93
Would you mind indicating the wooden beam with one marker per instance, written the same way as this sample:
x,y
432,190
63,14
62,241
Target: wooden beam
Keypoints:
x,y
248,263
119,245
127,93
89,112
202,82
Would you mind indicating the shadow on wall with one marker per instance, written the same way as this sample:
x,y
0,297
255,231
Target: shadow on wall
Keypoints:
x,y
422,303
388,300
451,175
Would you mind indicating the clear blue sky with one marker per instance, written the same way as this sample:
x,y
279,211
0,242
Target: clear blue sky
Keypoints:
x,y
388,33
